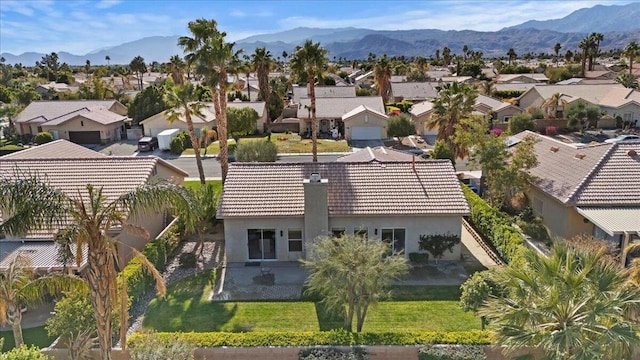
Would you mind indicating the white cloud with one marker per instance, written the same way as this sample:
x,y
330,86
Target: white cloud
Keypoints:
x,y
16,6
105,4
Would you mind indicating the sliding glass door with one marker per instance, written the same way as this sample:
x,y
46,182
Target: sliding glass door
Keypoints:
x,y
261,244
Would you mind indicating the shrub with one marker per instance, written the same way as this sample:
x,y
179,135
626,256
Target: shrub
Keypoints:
x,y
419,258
536,113
436,244
496,132
43,137
334,354
152,348
442,151
550,130
451,352
520,122
177,145
213,135
24,353
187,260
261,151
333,337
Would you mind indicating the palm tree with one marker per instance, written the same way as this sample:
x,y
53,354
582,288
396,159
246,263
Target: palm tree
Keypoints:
x,y
87,219
183,101
568,56
571,304
20,287
455,101
262,61
211,55
138,66
382,75
176,67
512,55
488,88
556,49
632,50
551,104
200,212
446,56
310,60
108,59
465,50
585,45
595,39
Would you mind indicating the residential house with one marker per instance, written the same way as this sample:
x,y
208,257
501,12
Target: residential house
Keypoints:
x,y
414,91
364,123
52,89
157,123
600,75
69,168
624,103
80,121
329,111
420,114
591,190
273,211
302,92
522,78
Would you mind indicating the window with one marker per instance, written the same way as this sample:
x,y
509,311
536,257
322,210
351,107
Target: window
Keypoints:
x,y
81,123
295,240
395,238
39,129
261,244
362,231
338,232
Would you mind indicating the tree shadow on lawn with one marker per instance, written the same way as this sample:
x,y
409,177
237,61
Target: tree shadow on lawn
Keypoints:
x,y
329,319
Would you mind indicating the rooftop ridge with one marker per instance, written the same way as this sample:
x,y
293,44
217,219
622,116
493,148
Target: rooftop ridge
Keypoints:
x,y
586,179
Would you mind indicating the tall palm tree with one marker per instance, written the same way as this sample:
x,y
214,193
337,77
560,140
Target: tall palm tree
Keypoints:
x,y
382,76
585,45
211,55
446,56
20,287
632,50
556,49
488,88
87,219
454,102
176,68
512,55
570,304
310,60
551,104
183,102
594,50
568,56
138,66
108,59
262,61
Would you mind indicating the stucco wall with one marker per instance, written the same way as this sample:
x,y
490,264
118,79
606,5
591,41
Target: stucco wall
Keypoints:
x,y
158,123
108,133
507,112
236,232
561,221
365,119
632,110
153,224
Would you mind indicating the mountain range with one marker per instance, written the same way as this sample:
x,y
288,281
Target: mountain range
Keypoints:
x,y
619,24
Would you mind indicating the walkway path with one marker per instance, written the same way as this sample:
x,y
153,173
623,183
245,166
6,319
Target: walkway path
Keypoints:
x,y
477,249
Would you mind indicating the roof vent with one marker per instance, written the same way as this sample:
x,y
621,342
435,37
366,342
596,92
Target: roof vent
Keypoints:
x,y
315,177
580,156
554,149
632,153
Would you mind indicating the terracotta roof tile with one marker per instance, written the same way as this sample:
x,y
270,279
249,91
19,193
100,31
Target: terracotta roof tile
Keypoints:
x,y
276,189
55,149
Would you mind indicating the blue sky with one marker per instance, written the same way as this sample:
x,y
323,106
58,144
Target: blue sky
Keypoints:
x,y
81,26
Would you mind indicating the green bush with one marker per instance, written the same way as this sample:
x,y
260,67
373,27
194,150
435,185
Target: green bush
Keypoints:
x,y
334,354
188,260
8,149
177,145
24,353
451,352
419,258
520,122
494,226
152,348
507,94
157,251
260,151
43,137
307,338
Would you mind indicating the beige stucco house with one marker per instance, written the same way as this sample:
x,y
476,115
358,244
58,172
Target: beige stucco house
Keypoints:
x,y
157,123
69,167
363,123
590,190
80,121
272,211
329,111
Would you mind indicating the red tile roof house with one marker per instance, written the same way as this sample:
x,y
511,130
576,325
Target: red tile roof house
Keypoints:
x,y
272,211
590,190
70,167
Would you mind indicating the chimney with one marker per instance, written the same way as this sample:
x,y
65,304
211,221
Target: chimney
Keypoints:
x,y
316,209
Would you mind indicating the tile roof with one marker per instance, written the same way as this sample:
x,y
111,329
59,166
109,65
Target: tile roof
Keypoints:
x,y
338,106
492,103
378,154
510,77
613,220
414,90
301,92
56,149
596,175
618,97
96,113
52,109
591,93
43,255
259,106
362,109
209,114
358,189
421,108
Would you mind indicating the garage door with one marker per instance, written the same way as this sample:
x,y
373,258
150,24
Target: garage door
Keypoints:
x,y
366,133
84,137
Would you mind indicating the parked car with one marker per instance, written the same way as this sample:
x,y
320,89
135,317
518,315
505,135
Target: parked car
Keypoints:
x,y
625,137
147,143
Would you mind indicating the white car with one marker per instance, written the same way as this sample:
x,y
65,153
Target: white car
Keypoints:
x,y
622,138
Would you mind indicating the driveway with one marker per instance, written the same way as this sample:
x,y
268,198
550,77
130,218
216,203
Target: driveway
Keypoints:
x,y
361,144
120,148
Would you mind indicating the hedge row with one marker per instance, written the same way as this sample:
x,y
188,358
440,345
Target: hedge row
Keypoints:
x,y
157,251
495,226
309,338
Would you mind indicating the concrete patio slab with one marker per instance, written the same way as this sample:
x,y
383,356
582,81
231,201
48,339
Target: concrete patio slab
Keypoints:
x,y
262,281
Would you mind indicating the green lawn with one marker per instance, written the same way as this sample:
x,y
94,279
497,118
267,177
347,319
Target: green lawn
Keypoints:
x,y
286,143
186,308
34,336
217,184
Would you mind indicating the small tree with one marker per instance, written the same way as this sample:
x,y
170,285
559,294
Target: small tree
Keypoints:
x,y
25,353
436,244
241,121
580,113
400,126
256,151
43,137
520,122
477,290
199,213
442,151
354,272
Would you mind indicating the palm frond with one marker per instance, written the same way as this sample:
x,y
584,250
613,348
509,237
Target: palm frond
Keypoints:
x,y
161,288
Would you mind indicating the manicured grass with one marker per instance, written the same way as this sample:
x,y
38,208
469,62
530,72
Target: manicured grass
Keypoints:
x,y
217,184
286,143
34,336
187,308
433,292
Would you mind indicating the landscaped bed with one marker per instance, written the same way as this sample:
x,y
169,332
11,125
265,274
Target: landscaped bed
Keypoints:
x,y
33,336
286,143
